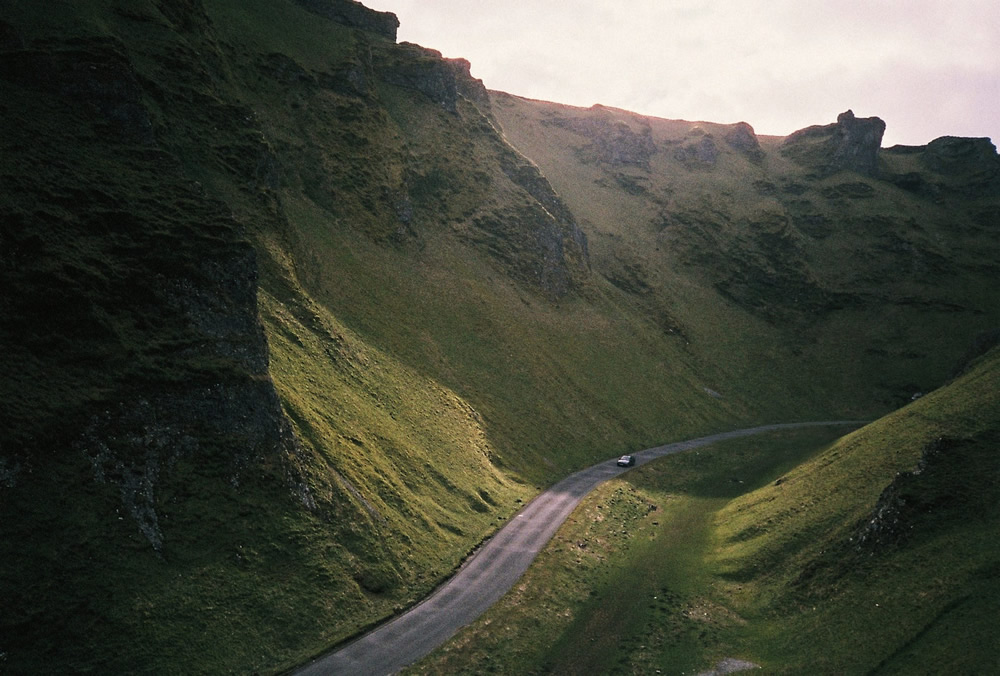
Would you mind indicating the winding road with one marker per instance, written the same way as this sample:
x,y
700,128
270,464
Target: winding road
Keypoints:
x,y
493,569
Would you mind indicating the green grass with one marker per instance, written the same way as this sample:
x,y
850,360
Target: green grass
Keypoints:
x,y
841,297
411,456
430,392
185,181
623,585
763,549
456,325
806,549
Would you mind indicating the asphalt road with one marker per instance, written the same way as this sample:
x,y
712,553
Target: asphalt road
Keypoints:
x,y
492,571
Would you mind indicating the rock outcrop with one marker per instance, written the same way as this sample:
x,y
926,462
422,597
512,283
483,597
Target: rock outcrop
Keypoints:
x,y
355,15
741,137
940,487
969,167
539,240
424,70
851,144
613,140
472,88
952,154
698,151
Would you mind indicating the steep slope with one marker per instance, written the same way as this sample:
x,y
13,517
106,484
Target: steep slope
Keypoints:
x,y
288,329
290,325
880,553
870,269
795,552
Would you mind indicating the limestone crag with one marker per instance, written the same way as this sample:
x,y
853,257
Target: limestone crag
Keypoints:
x,y
613,140
851,144
952,153
156,295
971,165
857,143
698,151
741,137
424,70
472,88
135,443
541,240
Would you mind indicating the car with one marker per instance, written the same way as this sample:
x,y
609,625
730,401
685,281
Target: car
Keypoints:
x,y
626,461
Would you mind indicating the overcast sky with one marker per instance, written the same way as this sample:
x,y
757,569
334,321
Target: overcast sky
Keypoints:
x,y
929,68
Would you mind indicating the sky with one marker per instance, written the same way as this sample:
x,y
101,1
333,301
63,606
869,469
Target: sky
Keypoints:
x,y
928,68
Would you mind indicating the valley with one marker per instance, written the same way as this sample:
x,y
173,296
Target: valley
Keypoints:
x,y
786,551
296,316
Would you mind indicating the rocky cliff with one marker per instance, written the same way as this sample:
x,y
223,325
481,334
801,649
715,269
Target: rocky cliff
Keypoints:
x,y
294,315
851,144
156,177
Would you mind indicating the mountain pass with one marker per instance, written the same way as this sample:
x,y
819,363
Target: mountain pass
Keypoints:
x,y
493,569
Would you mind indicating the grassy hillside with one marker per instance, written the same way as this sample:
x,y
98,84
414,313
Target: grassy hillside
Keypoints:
x,y
294,316
878,553
854,289
873,553
283,336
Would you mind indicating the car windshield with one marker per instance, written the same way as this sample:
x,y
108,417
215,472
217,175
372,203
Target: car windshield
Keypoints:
x,y
625,458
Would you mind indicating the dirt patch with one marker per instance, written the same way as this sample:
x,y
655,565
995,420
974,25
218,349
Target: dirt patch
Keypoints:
x,y
730,665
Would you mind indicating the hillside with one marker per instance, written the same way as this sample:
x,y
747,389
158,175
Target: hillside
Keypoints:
x,y
295,316
828,264
795,552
